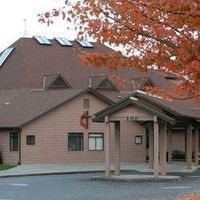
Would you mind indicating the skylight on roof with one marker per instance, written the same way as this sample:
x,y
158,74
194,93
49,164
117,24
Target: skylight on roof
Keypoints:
x,y
85,44
42,40
63,41
5,55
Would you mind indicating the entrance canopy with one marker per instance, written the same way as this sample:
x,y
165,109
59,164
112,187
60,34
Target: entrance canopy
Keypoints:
x,y
159,115
173,112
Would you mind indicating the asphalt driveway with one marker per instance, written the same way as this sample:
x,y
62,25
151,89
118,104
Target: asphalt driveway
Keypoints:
x,y
81,187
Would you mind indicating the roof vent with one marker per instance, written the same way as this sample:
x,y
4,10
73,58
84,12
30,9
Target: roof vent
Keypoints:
x,y
42,40
5,55
170,77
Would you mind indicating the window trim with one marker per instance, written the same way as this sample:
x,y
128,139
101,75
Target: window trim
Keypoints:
x,y
27,143
81,133
11,148
139,137
86,101
90,133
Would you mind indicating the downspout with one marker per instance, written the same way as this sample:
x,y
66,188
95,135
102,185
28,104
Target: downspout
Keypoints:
x,y
43,84
20,149
44,81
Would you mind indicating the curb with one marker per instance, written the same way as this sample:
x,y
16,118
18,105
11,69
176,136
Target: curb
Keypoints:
x,y
75,172
142,179
50,173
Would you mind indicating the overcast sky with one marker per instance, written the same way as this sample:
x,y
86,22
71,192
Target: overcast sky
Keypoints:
x,y
13,13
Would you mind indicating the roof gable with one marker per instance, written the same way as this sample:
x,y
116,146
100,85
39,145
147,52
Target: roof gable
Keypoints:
x,y
99,117
58,82
107,85
143,82
30,105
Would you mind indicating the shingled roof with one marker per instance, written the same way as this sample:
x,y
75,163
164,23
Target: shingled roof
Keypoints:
x,y
18,107
169,111
30,61
27,64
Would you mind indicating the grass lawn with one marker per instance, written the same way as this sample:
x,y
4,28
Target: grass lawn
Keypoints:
x,y
5,167
198,170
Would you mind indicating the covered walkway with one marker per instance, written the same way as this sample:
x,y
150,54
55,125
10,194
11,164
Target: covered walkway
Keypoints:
x,y
159,120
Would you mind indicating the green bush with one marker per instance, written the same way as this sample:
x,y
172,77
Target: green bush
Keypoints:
x,y
1,158
176,154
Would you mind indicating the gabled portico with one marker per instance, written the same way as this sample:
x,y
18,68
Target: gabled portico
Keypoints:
x,y
134,111
159,123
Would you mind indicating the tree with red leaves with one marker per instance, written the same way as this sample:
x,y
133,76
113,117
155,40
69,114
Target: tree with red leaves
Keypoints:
x,y
159,34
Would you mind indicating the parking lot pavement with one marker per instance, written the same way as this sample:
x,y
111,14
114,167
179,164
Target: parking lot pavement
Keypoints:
x,y
81,187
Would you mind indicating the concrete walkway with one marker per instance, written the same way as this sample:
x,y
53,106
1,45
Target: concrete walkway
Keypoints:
x,y
25,170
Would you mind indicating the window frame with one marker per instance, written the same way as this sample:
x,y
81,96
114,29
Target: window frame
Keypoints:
x,y
13,147
140,137
75,134
28,142
86,103
97,133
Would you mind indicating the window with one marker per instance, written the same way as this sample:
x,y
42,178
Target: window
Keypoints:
x,y
5,55
63,41
96,141
14,141
30,139
59,83
85,44
107,85
42,40
75,141
138,139
86,103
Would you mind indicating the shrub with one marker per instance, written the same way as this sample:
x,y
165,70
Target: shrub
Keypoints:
x,y
1,158
176,154
190,197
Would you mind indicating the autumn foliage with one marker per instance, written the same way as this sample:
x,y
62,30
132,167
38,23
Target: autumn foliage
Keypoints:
x,y
160,34
190,197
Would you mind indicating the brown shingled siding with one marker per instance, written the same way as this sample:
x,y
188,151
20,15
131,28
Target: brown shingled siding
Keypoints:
x,y
9,157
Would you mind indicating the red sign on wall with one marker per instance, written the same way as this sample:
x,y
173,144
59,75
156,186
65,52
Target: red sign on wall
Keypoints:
x,y
84,120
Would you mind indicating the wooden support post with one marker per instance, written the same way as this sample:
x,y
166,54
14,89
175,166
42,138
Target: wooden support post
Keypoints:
x,y
196,146
163,149
107,148
117,149
169,145
189,146
156,148
151,145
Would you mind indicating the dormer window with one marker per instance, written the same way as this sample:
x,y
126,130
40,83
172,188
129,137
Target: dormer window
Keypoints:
x,y
59,83
142,83
107,85
56,81
148,83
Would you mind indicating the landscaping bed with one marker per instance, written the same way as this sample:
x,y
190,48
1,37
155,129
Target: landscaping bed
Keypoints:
x,y
5,167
